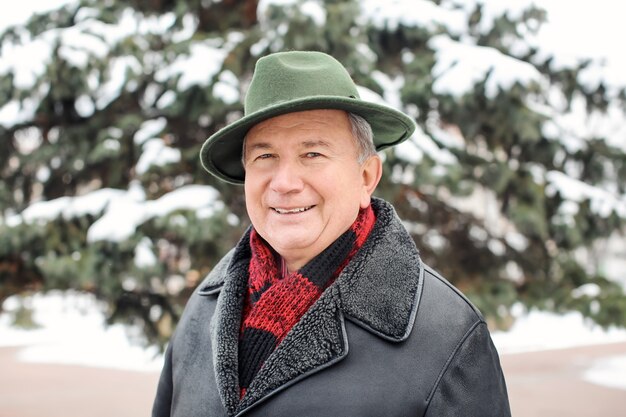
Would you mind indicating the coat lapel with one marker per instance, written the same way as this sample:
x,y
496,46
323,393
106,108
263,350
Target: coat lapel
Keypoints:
x,y
380,290
229,278
317,341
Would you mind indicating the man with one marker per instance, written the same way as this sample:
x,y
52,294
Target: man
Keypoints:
x,y
324,307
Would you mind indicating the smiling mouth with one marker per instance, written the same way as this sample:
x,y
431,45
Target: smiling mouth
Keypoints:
x,y
292,211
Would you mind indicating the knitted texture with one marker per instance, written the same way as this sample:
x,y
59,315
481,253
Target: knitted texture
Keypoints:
x,y
274,304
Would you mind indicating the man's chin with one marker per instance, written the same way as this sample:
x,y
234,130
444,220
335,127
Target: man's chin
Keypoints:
x,y
294,245
291,243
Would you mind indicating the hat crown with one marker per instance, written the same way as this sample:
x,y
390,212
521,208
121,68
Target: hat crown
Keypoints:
x,y
288,76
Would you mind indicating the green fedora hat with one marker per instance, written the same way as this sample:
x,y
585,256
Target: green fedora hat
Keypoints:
x,y
287,82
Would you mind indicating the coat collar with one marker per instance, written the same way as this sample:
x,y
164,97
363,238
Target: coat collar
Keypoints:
x,y
378,290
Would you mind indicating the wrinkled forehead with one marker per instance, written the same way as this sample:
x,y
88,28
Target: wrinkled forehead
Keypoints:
x,y
304,120
324,128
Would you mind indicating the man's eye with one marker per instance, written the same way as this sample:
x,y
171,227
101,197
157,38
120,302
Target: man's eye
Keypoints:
x,y
313,154
264,156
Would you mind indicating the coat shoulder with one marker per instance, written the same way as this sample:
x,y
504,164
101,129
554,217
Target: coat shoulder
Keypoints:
x,y
214,281
438,289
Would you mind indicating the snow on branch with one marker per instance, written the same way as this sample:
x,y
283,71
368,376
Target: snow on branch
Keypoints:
x,y
602,202
461,66
122,211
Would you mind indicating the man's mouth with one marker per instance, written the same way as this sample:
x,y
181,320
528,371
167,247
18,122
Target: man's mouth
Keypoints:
x,y
292,211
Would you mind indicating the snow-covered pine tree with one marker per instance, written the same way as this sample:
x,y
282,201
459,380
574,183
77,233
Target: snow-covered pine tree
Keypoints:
x,y
105,106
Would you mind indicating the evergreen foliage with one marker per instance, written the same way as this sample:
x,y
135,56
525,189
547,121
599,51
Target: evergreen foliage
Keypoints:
x,y
501,194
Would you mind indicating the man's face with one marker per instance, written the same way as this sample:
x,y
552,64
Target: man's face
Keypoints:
x,y
304,185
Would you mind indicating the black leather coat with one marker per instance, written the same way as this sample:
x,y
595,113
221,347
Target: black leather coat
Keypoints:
x,y
389,338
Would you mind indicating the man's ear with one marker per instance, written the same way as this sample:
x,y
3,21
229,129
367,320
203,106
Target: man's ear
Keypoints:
x,y
371,171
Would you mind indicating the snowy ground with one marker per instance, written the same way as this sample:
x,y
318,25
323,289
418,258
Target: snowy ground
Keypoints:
x,y
72,330
537,331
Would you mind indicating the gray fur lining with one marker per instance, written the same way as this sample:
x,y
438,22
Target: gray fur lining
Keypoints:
x,y
225,323
380,288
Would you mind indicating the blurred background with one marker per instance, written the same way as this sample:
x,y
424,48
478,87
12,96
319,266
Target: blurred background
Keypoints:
x,y
513,185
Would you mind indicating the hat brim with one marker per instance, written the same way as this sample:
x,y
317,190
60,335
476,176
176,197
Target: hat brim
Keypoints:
x,y
221,152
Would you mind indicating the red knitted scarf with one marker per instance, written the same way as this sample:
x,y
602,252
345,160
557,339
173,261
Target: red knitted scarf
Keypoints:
x,y
274,304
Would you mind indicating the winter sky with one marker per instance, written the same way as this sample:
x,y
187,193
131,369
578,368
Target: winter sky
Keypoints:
x,y
589,29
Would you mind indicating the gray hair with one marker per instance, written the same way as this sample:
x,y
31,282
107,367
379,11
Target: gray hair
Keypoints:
x,y
361,132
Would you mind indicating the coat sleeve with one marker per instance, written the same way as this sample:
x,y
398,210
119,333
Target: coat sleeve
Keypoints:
x,y
163,400
472,383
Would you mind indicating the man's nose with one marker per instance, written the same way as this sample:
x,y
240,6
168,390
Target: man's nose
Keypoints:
x,y
287,178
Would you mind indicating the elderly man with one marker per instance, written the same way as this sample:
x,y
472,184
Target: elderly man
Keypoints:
x,y
324,307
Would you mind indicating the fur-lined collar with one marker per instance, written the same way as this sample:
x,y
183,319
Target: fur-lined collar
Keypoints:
x,y
378,290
